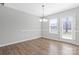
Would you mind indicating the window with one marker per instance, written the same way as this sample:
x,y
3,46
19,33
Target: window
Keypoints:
x,y
53,25
67,27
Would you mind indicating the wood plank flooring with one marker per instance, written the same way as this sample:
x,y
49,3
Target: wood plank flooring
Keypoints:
x,y
40,46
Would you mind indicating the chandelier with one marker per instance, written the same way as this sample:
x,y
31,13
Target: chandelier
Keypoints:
x,y
43,19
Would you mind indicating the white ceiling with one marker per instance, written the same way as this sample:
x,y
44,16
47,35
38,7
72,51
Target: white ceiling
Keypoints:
x,y
36,9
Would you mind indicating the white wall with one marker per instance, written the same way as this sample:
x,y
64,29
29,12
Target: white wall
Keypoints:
x,y
73,12
77,26
17,26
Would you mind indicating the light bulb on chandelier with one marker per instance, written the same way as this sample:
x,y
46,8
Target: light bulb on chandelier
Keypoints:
x,y
43,20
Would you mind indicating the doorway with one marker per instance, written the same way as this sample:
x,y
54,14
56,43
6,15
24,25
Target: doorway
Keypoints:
x,y
67,28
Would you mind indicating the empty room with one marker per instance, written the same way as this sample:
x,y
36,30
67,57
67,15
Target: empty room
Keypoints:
x,y
39,29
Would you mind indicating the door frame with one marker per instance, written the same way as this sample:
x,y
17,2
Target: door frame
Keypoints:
x,y
73,26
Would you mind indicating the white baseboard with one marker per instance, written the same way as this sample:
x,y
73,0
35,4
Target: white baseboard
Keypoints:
x,y
6,44
74,43
31,39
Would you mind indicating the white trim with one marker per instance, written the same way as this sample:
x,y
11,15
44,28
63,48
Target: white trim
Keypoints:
x,y
6,44
73,26
53,32
63,41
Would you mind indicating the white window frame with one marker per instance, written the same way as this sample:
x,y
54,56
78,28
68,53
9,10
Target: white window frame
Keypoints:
x,y
53,32
73,27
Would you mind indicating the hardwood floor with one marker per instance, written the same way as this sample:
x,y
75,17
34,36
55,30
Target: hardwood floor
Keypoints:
x,y
40,46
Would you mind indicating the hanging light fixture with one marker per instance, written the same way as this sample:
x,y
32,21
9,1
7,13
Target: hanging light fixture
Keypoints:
x,y
43,19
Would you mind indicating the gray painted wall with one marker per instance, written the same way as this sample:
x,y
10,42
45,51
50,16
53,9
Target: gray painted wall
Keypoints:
x,y
17,26
72,12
